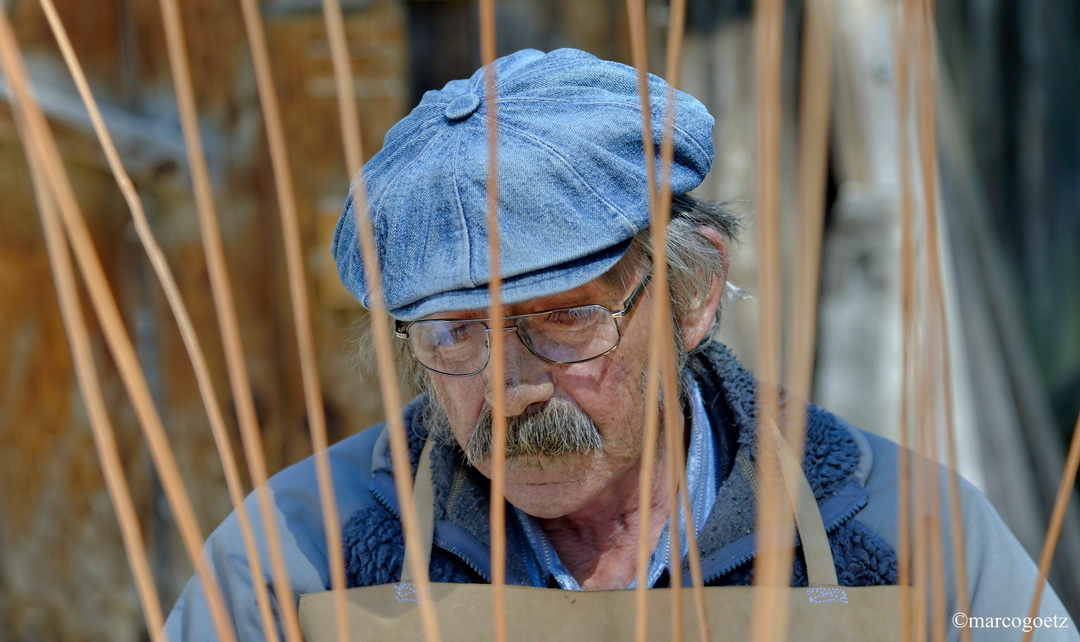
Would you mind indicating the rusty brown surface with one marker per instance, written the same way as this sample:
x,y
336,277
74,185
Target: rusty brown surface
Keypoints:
x,y
63,573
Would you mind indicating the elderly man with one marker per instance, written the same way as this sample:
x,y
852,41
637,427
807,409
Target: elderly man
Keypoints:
x,y
576,256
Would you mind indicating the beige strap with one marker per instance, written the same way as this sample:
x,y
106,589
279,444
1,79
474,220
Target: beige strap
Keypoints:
x,y
820,568
424,500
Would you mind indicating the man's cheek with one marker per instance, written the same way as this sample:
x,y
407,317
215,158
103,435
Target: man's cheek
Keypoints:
x,y
451,401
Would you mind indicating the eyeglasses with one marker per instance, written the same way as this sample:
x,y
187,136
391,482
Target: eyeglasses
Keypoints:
x,y
460,347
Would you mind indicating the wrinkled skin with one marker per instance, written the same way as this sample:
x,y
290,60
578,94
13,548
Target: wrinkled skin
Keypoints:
x,y
588,503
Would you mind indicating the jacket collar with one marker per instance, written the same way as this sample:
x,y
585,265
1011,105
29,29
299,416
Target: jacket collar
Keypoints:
x,y
831,463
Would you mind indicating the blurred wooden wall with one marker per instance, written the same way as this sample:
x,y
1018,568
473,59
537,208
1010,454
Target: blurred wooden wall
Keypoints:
x,y
63,574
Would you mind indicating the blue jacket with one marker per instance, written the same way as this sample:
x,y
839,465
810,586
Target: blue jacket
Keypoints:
x,y
853,475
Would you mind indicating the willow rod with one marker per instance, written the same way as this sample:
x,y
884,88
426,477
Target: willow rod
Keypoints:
x,y
925,91
298,291
343,79
920,522
931,426
43,146
815,85
1057,518
772,566
380,328
497,339
180,312
384,357
100,425
917,330
674,419
399,447
225,305
907,305
391,394
635,10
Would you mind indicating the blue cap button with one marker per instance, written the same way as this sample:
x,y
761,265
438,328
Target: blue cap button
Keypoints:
x,y
462,107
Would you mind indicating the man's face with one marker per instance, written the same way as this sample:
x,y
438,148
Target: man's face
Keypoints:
x,y
609,390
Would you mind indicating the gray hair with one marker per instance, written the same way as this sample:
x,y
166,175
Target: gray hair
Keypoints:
x,y
693,260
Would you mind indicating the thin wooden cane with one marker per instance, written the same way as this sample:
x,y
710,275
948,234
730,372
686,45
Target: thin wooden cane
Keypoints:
x,y
921,524
938,291
815,86
180,312
772,566
917,622
380,329
497,363
384,357
925,91
696,575
931,423
907,305
930,419
674,425
224,303
929,556
661,348
647,478
42,145
298,291
1057,518
399,447
339,57
93,398
380,326
635,10
674,422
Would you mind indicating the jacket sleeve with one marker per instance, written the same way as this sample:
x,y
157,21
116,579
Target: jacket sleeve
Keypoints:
x,y
228,563
1001,581
1001,576
299,521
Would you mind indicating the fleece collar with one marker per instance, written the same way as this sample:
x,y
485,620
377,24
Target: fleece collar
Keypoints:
x,y
830,463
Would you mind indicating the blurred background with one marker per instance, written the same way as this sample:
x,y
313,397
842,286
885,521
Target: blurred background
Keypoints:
x,y
1009,147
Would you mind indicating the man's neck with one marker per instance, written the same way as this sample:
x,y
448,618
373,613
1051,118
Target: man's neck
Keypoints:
x,y
598,544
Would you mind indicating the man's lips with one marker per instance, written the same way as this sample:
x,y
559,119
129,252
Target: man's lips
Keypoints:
x,y
541,469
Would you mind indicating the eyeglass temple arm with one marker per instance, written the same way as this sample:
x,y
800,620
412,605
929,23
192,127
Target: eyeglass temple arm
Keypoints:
x,y
634,296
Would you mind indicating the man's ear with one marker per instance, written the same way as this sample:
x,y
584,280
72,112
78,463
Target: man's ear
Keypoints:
x,y
698,320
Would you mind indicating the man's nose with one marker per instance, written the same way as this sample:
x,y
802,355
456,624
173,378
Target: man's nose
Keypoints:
x,y
528,379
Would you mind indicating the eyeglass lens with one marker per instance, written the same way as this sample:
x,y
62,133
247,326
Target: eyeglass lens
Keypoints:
x,y
460,347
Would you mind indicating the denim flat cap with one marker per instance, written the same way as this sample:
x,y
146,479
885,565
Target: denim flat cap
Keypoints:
x,y
572,189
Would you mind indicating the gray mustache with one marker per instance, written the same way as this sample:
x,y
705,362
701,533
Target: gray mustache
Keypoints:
x,y
559,428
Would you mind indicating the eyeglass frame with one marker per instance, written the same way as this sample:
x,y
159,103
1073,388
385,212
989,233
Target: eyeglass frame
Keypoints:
x,y
401,329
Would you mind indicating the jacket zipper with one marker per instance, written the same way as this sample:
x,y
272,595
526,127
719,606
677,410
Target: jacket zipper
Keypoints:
x,y
390,506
